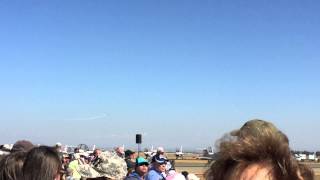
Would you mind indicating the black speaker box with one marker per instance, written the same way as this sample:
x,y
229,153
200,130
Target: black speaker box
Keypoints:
x,y
138,138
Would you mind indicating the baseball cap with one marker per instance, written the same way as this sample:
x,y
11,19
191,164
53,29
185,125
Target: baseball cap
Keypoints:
x,y
160,149
141,161
160,159
128,152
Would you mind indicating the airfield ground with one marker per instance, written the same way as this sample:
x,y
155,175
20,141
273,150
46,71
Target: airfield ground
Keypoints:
x,y
191,164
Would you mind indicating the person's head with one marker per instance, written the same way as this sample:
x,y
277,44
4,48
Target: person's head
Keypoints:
x,y
129,154
254,171
42,163
160,150
97,152
22,145
11,166
65,159
58,146
258,127
254,155
141,166
185,174
160,163
120,151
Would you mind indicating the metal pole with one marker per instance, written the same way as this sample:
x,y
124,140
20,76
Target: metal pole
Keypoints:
x,y
138,150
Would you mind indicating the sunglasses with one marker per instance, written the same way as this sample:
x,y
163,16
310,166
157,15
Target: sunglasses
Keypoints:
x,y
143,164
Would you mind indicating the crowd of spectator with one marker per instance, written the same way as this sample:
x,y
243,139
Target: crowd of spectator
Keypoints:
x,y
256,151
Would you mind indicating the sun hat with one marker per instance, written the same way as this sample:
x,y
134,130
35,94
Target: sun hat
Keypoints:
x,y
109,165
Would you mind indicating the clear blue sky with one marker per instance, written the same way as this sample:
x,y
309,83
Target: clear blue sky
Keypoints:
x,y
180,72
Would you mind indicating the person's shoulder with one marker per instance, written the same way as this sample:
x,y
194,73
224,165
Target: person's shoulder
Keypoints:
x,y
152,174
73,163
132,176
152,171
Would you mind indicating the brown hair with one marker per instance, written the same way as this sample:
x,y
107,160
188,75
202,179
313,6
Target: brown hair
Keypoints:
x,y
306,172
22,145
42,163
11,166
268,148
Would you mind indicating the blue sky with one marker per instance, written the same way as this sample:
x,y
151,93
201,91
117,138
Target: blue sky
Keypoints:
x,y
180,72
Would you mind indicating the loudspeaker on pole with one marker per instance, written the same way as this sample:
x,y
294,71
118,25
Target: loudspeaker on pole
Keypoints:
x,y
138,138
